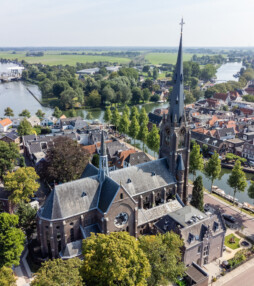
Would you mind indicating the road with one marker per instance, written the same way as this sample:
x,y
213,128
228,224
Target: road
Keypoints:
x,y
242,219
246,278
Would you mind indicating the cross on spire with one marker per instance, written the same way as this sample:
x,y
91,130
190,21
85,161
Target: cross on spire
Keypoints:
x,y
182,23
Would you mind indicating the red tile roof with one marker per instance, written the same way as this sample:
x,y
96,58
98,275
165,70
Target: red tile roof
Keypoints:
x,y
122,156
221,96
91,149
5,122
246,111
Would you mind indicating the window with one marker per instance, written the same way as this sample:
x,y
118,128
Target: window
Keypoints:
x,y
199,249
121,196
206,250
72,234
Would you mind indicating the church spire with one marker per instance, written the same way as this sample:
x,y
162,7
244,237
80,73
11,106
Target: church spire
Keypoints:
x,y
103,164
176,111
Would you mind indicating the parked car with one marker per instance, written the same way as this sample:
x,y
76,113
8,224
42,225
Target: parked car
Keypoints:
x,y
229,218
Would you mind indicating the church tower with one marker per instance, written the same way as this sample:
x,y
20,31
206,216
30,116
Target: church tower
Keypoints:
x,y
103,163
174,132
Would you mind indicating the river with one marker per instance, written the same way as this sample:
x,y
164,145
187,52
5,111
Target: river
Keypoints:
x,y
226,71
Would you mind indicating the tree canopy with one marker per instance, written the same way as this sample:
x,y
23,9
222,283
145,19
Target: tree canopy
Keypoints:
x,y
8,112
7,277
25,113
12,240
25,128
197,199
9,153
164,255
22,184
58,272
196,159
153,139
65,161
213,168
114,259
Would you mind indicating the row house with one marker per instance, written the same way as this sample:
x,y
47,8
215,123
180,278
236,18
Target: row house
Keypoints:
x,y
248,151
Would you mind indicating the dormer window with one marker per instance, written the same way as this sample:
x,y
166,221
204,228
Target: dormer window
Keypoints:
x,y
83,194
129,181
153,173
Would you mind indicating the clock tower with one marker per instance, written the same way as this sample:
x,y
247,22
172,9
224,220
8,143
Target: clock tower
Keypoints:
x,y
174,131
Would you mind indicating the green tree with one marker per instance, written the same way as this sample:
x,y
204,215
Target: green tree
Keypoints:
x,y
27,218
115,120
134,128
58,272
8,112
146,94
237,179
108,114
65,161
12,240
155,73
126,110
9,153
40,114
251,190
143,117
72,113
25,113
213,168
67,98
134,112
25,128
94,99
137,95
143,133
114,259
107,94
7,277
124,124
89,115
96,160
22,184
165,257
197,199
153,139
208,72
196,160
205,149
59,87
57,112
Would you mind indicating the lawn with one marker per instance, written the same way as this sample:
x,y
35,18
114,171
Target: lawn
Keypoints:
x,y
51,58
234,245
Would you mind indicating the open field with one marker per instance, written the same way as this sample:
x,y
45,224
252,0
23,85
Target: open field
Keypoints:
x,y
57,59
167,58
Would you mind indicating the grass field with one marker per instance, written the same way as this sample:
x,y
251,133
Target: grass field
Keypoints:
x,y
234,245
57,59
166,58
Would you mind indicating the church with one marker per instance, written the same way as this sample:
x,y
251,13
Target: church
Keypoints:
x,y
134,199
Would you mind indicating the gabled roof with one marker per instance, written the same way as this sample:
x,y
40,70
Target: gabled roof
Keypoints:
x,y
154,174
5,122
221,96
122,157
225,132
11,135
137,158
154,118
90,170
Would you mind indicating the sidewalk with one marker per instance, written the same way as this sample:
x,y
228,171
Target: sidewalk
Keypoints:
x,y
229,276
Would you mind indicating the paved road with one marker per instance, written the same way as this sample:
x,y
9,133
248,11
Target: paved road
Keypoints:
x,y
246,278
242,219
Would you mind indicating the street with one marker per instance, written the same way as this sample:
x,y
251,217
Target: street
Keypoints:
x,y
246,278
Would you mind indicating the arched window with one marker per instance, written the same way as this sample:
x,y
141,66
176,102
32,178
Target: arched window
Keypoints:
x,y
121,196
181,138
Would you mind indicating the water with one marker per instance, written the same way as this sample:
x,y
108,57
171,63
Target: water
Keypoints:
x,y
226,72
221,183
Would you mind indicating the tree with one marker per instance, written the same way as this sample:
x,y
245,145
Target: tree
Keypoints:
x,y
137,95
143,133
25,113
165,257
27,218
114,259
94,99
134,128
197,199
146,94
205,149
65,161
153,139
126,110
107,114
57,112
7,277
134,112
96,160
59,87
12,240
146,68
72,113
89,115
8,112
22,184
143,117
124,124
251,190
68,98
208,72
40,114
58,272
107,94
196,160
25,128
115,120
237,179
213,168
9,153
155,73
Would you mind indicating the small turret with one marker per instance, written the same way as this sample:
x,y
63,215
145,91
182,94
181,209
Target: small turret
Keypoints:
x,y
103,164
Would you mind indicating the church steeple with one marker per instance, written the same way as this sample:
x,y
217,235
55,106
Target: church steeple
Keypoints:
x,y
103,164
176,110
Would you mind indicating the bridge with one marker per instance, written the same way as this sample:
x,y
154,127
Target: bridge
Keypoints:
x,y
14,73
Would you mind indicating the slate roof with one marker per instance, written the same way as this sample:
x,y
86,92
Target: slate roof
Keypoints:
x,y
154,174
206,139
90,170
12,135
145,216
137,158
71,198
225,132
154,118
72,249
196,274
114,147
86,231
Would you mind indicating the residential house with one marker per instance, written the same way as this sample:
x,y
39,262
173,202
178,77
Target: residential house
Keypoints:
x,y
235,146
223,98
5,124
11,137
136,159
225,133
248,151
34,120
73,123
195,275
49,121
122,155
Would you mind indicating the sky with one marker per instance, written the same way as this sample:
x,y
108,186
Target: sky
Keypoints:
x,y
151,23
